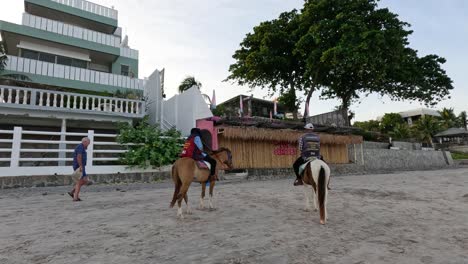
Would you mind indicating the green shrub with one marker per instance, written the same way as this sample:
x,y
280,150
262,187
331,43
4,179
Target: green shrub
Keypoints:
x,y
459,155
153,147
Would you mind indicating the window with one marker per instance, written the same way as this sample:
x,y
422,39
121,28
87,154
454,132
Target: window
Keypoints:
x,y
264,111
47,57
79,63
29,54
64,60
124,70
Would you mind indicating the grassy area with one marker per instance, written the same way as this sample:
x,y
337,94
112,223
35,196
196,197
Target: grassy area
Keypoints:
x,y
459,155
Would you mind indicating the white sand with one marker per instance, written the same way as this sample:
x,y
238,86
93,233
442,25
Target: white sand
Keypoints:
x,y
414,217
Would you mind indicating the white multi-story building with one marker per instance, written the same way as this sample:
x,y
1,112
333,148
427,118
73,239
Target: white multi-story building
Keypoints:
x,y
81,76
79,68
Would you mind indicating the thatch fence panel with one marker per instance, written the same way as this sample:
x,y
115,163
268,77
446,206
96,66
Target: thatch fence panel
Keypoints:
x,y
267,148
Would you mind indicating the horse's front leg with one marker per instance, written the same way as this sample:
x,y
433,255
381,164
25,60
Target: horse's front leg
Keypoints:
x,y
202,197
212,184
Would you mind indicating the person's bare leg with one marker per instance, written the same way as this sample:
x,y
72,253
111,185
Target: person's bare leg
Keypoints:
x,y
76,195
80,183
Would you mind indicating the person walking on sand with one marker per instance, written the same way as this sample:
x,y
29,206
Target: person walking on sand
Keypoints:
x,y
79,167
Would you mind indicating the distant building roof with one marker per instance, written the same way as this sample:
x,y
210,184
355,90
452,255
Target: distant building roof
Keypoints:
x,y
419,112
453,132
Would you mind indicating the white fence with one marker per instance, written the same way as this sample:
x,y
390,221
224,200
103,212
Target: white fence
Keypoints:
x,y
71,73
16,157
90,7
36,99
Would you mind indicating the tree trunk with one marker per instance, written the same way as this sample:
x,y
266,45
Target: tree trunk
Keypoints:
x,y
309,95
345,109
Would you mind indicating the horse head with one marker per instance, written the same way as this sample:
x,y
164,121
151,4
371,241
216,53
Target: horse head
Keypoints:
x,y
224,155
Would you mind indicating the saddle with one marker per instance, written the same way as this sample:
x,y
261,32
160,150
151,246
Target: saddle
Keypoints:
x,y
303,166
203,165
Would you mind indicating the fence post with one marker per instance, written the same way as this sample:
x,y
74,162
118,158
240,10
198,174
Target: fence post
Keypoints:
x,y
90,151
16,147
63,146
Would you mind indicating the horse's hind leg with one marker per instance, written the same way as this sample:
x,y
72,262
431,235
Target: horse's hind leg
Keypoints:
x,y
307,198
315,197
182,194
202,197
186,203
212,184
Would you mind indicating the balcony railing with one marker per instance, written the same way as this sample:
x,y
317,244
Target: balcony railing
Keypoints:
x,y
37,99
70,30
71,73
90,7
77,32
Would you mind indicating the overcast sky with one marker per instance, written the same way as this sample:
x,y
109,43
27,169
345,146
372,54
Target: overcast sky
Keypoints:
x,y
198,38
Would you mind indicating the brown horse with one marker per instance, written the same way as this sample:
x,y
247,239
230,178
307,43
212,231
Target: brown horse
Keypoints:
x,y
185,171
317,174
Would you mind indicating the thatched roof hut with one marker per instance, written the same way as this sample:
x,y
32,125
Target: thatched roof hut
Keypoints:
x,y
283,135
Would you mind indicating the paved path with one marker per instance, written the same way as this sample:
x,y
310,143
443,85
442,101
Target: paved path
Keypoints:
x,y
413,217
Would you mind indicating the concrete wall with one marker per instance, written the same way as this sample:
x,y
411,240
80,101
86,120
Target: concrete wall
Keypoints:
x,y
183,110
398,160
375,145
154,94
407,145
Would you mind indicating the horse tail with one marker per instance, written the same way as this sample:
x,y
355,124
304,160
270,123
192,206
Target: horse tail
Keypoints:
x,y
177,183
321,192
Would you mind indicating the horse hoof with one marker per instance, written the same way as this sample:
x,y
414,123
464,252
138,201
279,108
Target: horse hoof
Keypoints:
x,y
306,209
315,210
322,222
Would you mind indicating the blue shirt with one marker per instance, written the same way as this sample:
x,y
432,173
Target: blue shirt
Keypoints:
x,y
80,149
199,144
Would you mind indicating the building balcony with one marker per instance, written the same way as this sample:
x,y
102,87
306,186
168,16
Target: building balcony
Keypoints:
x,y
78,12
72,77
38,102
78,32
90,7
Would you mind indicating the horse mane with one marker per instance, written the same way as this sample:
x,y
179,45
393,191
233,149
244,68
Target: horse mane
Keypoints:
x,y
221,150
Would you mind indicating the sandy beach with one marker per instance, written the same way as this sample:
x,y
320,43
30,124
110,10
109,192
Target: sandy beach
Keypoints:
x,y
411,217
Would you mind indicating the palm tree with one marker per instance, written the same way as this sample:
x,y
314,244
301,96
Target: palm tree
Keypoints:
x,y
463,119
400,131
188,83
425,129
449,119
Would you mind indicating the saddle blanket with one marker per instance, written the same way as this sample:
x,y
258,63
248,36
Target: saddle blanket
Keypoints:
x,y
204,165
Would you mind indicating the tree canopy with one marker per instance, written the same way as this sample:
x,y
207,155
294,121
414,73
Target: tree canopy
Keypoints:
x,y
188,83
267,59
346,48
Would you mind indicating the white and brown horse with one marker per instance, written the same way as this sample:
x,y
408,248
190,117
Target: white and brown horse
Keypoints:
x,y
317,174
185,171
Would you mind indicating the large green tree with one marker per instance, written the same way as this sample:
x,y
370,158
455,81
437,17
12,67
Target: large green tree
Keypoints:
x,y
371,125
352,48
346,48
390,121
267,59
